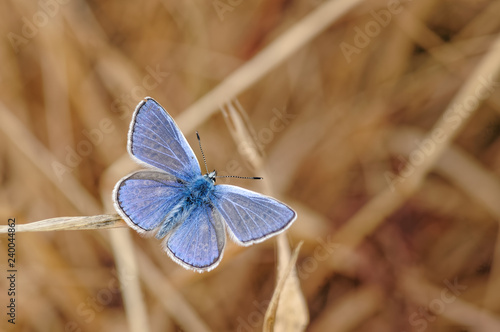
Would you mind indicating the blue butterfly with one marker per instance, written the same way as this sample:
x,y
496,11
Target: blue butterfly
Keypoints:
x,y
173,200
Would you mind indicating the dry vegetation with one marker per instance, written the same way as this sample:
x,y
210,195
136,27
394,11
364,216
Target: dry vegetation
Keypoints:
x,y
390,154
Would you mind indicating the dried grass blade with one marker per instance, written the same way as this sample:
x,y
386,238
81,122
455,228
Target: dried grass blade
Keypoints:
x,y
278,315
70,223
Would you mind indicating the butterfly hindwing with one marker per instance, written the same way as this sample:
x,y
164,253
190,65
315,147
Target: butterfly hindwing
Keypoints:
x,y
155,140
251,217
145,198
198,242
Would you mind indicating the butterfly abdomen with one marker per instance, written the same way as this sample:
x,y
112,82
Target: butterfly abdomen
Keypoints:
x,y
174,218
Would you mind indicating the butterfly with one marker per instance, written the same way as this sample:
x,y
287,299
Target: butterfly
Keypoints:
x,y
174,201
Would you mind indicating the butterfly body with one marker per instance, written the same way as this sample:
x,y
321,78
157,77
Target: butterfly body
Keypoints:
x,y
183,207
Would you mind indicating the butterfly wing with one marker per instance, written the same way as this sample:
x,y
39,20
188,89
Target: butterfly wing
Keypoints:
x,y
144,198
155,139
199,241
251,217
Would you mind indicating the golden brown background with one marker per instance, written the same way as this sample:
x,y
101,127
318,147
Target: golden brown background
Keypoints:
x,y
378,121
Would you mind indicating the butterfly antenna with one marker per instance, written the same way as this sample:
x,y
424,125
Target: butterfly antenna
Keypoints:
x,y
223,176
204,160
240,177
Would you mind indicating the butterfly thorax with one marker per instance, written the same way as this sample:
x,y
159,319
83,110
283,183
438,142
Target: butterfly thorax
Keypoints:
x,y
200,189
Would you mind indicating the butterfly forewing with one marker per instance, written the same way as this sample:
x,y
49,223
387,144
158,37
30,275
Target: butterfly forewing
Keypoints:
x,y
155,139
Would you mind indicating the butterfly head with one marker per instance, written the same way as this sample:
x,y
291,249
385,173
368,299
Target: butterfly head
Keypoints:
x,y
211,176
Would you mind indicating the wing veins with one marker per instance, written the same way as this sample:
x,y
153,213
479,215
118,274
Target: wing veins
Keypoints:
x,y
244,223
169,123
247,210
158,138
155,141
174,132
149,205
154,163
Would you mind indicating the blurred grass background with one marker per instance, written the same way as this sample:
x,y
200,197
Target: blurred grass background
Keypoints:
x,y
335,121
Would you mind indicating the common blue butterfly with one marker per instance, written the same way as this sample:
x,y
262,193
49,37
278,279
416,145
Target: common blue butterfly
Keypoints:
x,y
174,201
